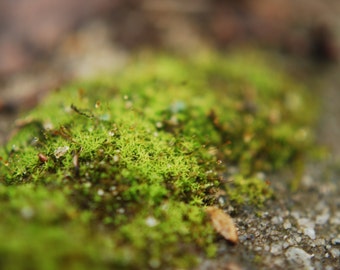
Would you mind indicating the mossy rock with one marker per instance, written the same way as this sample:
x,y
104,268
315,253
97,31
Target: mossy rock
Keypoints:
x,y
116,172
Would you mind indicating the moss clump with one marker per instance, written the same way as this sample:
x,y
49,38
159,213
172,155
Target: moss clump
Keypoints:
x,y
115,172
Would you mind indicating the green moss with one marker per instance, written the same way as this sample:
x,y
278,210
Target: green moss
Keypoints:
x,y
133,159
249,190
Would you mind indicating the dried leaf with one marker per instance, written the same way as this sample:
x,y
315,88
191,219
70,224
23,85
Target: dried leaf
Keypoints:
x,y
223,224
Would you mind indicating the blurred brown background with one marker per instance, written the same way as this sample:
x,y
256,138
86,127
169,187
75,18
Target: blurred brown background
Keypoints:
x,y
44,43
32,31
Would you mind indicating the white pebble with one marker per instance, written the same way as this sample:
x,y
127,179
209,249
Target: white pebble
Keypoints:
x,y
276,249
307,227
300,258
277,220
287,225
335,253
100,192
322,219
151,221
60,151
335,241
309,232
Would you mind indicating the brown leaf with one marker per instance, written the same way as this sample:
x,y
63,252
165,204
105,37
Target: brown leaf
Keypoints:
x,y
223,224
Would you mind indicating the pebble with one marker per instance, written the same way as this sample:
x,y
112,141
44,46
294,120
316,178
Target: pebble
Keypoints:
x,y
298,239
295,214
307,181
335,241
309,232
286,245
299,258
287,225
61,151
277,220
320,242
257,248
276,249
335,220
322,219
307,227
335,252
151,221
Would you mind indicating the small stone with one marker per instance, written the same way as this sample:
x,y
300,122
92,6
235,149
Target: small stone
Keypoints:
x,y
322,219
222,201
335,241
298,239
335,220
151,221
61,151
243,238
299,257
276,263
291,241
287,225
285,245
335,253
276,249
277,220
121,210
321,206
159,124
309,232
100,192
261,175
307,181
320,242
307,227
295,214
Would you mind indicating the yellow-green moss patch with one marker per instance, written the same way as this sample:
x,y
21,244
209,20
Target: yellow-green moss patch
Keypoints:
x,y
115,172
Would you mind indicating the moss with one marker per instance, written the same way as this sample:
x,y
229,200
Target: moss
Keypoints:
x,y
116,171
251,191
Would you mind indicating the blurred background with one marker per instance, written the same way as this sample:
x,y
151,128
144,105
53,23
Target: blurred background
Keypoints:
x,y
45,43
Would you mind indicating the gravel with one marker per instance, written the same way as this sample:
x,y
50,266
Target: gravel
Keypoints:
x,y
296,230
